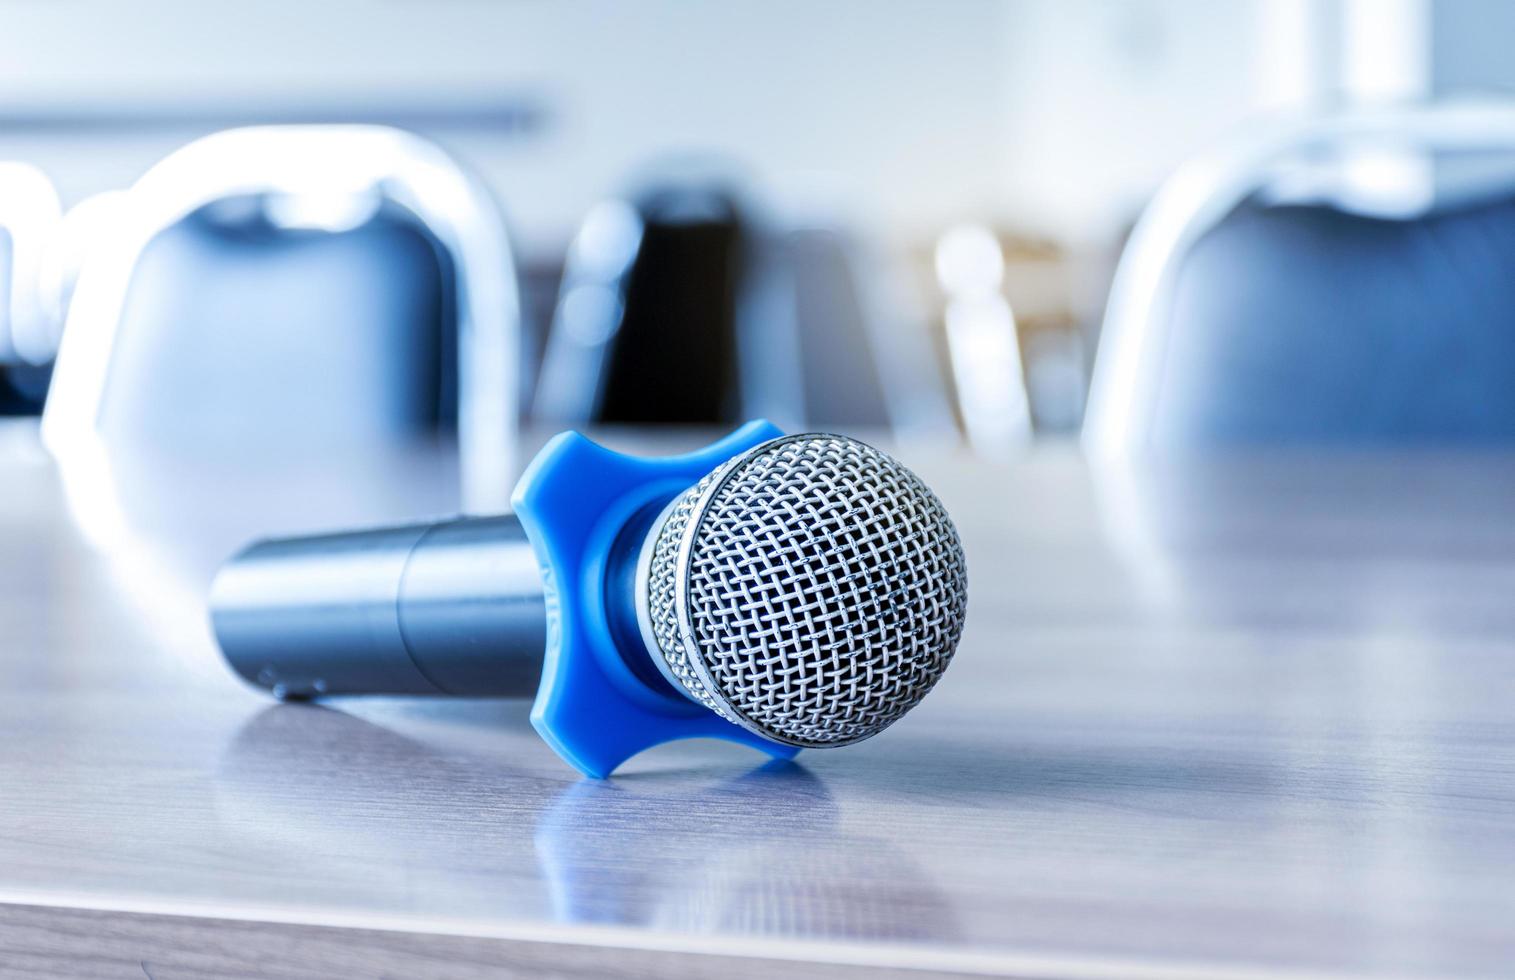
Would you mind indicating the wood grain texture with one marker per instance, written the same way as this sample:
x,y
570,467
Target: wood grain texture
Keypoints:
x,y
1248,717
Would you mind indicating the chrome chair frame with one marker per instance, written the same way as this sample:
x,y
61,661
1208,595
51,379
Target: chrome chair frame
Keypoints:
x,y
309,159
1202,192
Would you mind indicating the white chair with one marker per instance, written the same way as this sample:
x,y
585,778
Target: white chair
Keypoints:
x,y
329,179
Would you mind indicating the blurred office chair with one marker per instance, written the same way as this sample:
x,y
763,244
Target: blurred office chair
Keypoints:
x,y
1361,304
29,218
297,287
678,307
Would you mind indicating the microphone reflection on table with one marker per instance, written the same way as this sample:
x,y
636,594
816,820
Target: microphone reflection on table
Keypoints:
x,y
637,852
784,592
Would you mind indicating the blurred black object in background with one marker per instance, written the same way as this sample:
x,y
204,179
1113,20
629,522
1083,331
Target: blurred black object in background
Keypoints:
x,y
687,304
23,389
673,355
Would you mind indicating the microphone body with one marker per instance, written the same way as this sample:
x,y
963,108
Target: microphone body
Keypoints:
x,y
450,608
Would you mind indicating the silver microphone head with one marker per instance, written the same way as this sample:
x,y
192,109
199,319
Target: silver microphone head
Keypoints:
x,y
811,590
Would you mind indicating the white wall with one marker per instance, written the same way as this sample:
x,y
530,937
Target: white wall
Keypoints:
x,y
1104,97
894,104
1470,47
1058,116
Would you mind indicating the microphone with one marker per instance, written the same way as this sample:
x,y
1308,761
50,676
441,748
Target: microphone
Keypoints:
x,y
787,592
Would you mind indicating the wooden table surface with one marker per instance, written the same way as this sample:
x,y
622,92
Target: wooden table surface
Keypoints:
x,y
1247,717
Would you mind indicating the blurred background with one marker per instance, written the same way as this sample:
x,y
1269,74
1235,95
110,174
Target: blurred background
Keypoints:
x,y
854,214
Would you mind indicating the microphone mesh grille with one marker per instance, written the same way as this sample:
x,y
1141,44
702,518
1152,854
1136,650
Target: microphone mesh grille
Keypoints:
x,y
824,590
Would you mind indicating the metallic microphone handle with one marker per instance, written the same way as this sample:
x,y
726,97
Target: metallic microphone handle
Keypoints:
x,y
450,608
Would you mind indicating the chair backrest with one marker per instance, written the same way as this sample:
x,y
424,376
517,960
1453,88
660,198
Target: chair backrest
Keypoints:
x,y
645,325
1310,326
844,386
833,338
1233,321
293,287
673,356
237,329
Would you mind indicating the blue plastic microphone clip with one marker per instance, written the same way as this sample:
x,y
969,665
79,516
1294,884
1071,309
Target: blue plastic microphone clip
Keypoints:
x,y
575,500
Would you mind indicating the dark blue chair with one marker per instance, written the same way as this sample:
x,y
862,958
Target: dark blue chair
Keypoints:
x,y
1330,282
234,328
1307,325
